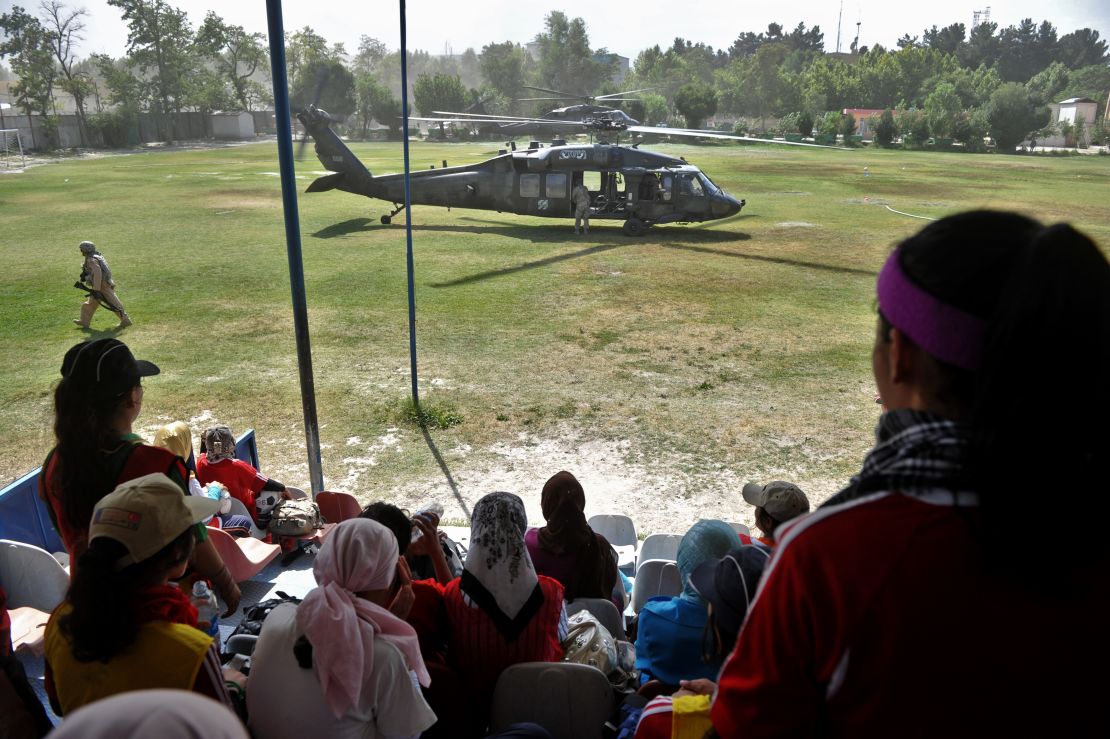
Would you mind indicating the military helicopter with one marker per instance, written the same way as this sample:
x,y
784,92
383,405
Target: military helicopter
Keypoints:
x,y
640,188
556,122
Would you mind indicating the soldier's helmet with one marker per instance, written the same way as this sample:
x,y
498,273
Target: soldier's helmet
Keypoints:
x,y
87,247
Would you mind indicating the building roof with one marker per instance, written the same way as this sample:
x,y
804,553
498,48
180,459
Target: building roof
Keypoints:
x,y
1071,101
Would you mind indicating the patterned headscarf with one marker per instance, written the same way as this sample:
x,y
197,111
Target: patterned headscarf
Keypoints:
x,y
707,539
358,555
498,575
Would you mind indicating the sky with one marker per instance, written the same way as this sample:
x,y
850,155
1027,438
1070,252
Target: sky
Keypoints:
x,y
625,27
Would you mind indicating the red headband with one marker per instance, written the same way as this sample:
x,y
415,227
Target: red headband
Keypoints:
x,y
944,331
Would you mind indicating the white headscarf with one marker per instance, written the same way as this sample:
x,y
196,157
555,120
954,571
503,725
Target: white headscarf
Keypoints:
x,y
498,575
358,555
166,714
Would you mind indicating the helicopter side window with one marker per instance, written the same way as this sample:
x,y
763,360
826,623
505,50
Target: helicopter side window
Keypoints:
x,y
690,186
529,186
556,183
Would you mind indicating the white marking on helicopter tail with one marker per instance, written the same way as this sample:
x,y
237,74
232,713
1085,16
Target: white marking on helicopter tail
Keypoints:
x,y
795,224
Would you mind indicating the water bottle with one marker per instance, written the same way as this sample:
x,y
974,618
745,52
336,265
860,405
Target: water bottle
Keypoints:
x,y
208,609
436,508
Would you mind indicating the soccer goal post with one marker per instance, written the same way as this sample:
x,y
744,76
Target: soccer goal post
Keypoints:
x,y
11,149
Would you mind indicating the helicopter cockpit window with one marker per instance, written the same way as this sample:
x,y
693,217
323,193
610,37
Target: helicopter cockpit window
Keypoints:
x,y
529,186
689,185
556,185
709,185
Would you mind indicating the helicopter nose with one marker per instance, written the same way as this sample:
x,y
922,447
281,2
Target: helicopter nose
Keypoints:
x,y
726,205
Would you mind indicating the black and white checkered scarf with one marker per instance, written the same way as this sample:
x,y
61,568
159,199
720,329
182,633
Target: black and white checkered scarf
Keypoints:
x,y
915,451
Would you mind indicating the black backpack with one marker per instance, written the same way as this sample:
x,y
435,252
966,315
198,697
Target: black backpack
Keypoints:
x,y
253,616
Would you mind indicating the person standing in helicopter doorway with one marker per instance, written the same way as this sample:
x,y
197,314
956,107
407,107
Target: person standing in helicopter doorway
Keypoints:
x,y
580,196
97,275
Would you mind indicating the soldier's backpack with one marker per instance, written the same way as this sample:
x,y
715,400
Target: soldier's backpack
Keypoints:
x,y
295,518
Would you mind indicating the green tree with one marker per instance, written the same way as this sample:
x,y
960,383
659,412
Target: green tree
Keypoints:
x,y
847,127
236,55
28,45
655,108
971,129
159,43
805,123
65,29
303,47
695,102
503,68
942,108
947,40
439,92
1088,82
328,84
885,131
1082,48
1012,115
566,61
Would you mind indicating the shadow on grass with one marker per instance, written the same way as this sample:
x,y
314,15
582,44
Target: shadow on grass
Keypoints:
x,y
774,260
446,470
526,266
555,233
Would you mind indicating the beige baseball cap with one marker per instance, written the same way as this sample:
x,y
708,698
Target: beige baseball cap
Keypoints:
x,y
781,500
146,514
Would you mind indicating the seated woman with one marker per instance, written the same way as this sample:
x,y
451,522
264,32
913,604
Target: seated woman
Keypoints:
x,y
178,438
500,612
95,407
669,631
727,586
217,463
567,549
340,664
123,626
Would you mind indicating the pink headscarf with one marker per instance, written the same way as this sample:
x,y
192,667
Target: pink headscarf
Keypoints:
x,y
358,555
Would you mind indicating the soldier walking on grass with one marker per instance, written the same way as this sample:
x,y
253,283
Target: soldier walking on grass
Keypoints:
x,y
581,199
102,289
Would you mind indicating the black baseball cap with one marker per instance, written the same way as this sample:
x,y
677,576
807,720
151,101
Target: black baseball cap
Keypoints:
x,y
729,584
105,365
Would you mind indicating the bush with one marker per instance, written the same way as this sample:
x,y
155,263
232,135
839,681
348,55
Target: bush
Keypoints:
x,y
741,128
885,129
111,127
805,123
787,124
829,123
847,127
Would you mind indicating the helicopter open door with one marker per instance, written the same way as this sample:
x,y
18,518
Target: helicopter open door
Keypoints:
x,y
690,195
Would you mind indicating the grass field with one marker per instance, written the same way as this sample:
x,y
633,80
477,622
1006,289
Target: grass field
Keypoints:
x,y
663,370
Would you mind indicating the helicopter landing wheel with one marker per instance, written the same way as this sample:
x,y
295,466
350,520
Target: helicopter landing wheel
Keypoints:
x,y
635,227
386,220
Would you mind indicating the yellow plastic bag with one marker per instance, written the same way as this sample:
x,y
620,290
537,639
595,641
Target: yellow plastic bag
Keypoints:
x,y
690,717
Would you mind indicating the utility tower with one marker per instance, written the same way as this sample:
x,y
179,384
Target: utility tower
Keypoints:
x,y
980,16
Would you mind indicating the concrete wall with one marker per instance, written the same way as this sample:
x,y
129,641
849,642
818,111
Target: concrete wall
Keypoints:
x,y
147,129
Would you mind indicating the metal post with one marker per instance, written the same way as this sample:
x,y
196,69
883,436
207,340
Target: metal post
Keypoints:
x,y
408,207
293,241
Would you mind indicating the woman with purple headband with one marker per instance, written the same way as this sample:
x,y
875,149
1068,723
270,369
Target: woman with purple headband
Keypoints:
x,y
921,600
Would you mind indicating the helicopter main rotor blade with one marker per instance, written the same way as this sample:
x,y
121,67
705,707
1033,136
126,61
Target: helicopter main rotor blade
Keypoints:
x,y
694,133
560,93
615,95
508,121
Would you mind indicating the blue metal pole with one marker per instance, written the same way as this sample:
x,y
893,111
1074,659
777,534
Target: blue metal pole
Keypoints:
x,y
408,206
293,240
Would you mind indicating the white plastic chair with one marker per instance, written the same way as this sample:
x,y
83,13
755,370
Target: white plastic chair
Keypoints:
x,y
655,577
571,701
35,583
621,533
658,546
605,612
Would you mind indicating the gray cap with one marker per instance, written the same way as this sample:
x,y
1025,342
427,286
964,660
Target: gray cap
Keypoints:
x,y
781,500
87,247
